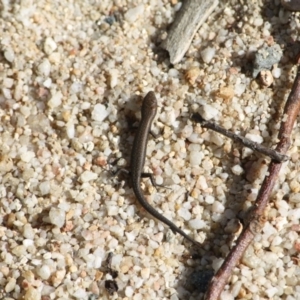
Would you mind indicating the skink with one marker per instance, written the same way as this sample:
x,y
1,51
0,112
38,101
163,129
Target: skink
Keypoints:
x,y
138,155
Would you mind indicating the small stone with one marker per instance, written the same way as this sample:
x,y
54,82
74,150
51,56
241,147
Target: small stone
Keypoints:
x,y
49,45
88,176
57,217
134,13
9,55
10,285
27,156
55,100
28,232
44,272
208,112
207,54
44,68
100,112
32,294
44,188
266,78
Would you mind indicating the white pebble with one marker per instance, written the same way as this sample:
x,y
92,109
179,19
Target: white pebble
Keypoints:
x,y
114,74
47,83
132,14
255,138
28,232
8,82
32,294
44,68
99,112
195,158
129,291
10,285
57,217
80,294
27,156
295,198
145,273
271,292
70,130
207,54
49,45
184,213
44,188
9,55
55,100
197,223
208,112
237,170
209,199
226,295
218,207
44,272
88,176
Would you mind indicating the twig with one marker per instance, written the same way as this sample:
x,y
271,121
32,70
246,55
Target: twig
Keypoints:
x,y
237,138
190,17
256,215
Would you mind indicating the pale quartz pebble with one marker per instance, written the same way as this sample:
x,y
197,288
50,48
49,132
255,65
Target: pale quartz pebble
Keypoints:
x,y
32,294
85,105
237,170
117,230
226,295
195,158
276,72
155,71
208,112
44,272
131,236
113,77
75,87
271,292
54,57
254,137
88,176
216,139
28,231
6,93
129,291
100,112
44,187
276,241
218,207
47,83
197,223
55,99
70,130
258,21
8,258
145,273
112,210
295,198
27,156
209,199
202,183
207,54
44,68
19,250
173,73
8,82
80,294
134,13
10,285
294,214
57,217
9,55
184,213
236,287
217,262
49,45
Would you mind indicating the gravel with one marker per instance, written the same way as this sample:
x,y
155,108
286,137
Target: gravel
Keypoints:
x,y
71,83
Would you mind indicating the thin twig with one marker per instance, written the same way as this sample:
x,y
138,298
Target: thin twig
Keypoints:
x,y
256,215
237,138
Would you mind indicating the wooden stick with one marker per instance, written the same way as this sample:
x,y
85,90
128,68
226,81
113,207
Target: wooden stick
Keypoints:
x,y
256,215
190,17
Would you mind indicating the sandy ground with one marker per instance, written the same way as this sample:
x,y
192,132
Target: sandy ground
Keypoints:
x,y
72,77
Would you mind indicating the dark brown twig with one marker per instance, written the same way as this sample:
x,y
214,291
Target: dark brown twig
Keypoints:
x,y
237,138
256,215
